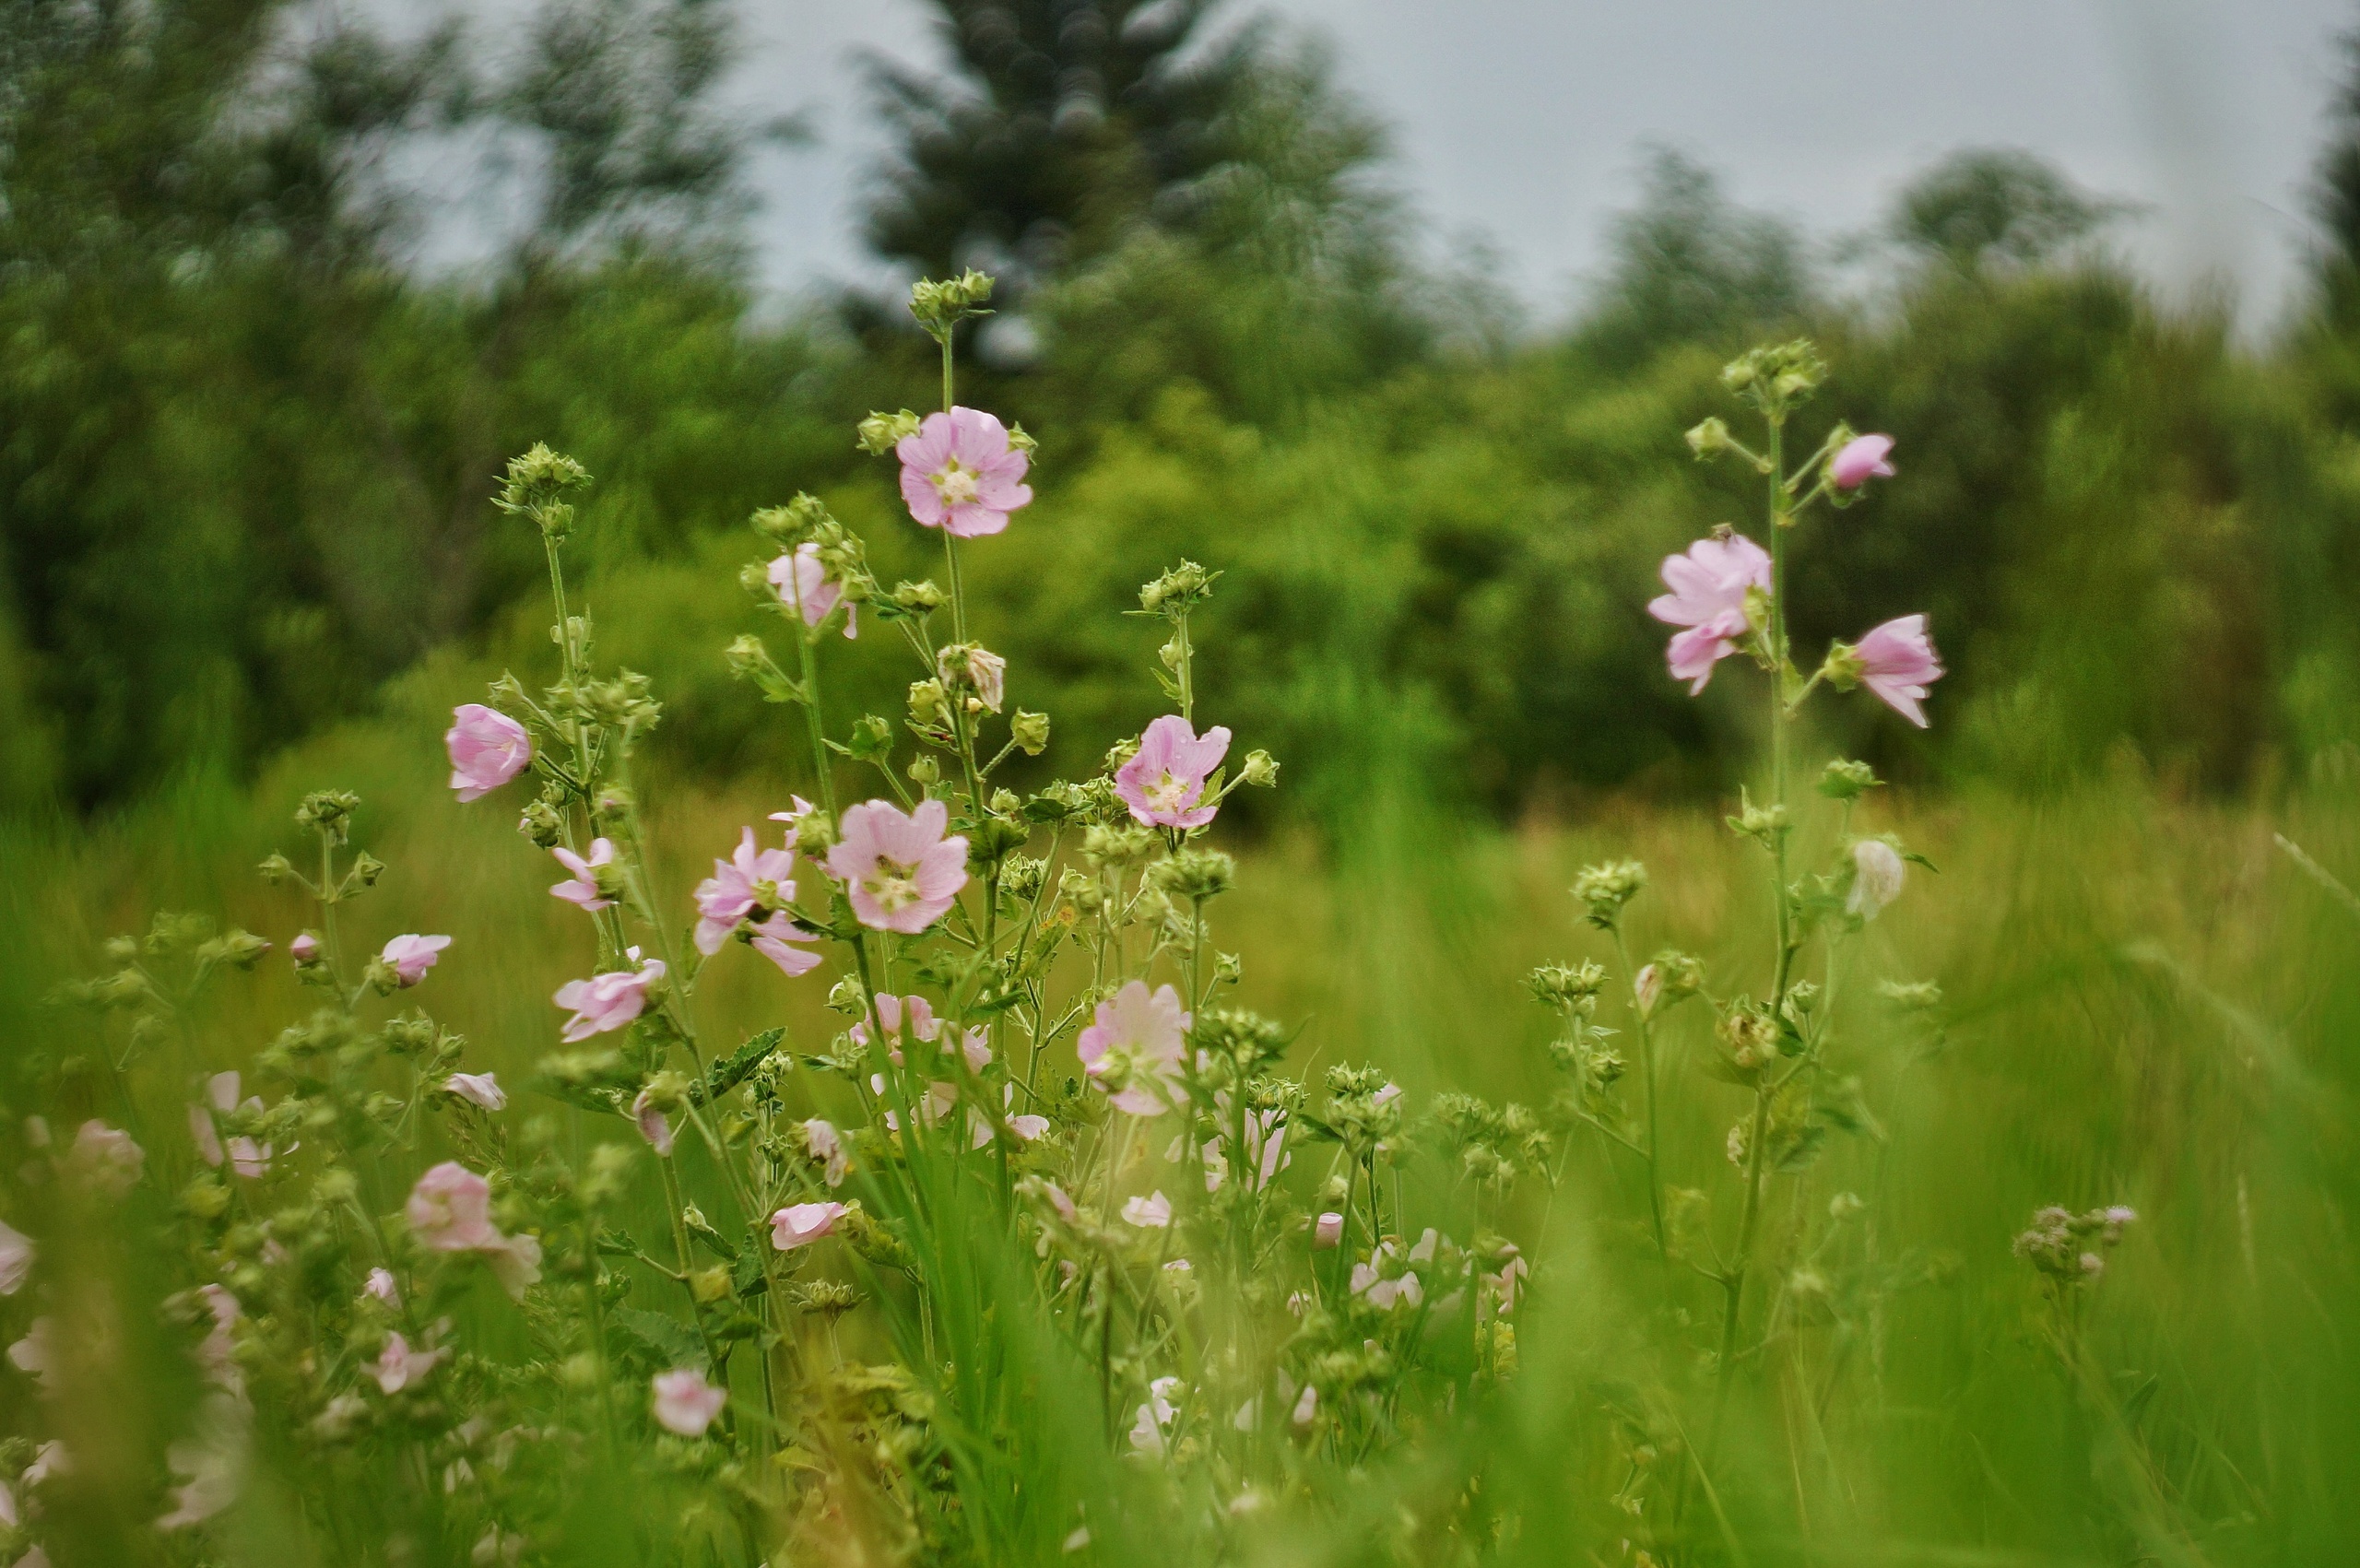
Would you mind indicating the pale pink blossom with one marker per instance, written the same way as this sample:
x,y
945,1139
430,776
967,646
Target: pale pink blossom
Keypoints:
x,y
515,1263
11,1518
218,1353
1163,782
899,869
1155,1416
685,1404
750,880
209,1472
304,949
801,581
380,1285
105,1160
1152,1212
1897,662
399,1367
16,1259
1060,1200
410,956
1860,460
1024,1129
488,748
582,888
902,1018
772,939
1328,1231
607,1001
652,1126
1877,876
35,1355
477,1088
1708,592
1508,1284
824,1144
800,1224
450,1210
1137,1042
960,474
1646,987
932,1107
1306,1407
247,1158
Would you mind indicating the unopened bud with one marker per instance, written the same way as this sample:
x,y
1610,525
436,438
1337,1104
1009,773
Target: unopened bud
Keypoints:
x,y
879,433
1260,770
1030,731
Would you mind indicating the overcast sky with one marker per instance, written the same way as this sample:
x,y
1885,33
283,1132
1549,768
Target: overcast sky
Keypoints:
x,y
1519,121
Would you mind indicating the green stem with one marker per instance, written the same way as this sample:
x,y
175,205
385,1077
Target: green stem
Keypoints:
x,y
1648,1083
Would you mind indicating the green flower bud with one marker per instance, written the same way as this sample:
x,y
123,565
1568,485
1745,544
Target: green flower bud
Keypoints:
x,y
1709,439
879,433
1604,889
1260,770
1178,591
1848,781
1030,731
542,824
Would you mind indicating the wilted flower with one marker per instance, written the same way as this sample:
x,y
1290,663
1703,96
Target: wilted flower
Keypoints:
x,y
1860,460
1709,586
584,888
653,1124
802,584
488,748
1877,876
960,474
1133,1049
898,868
685,1404
800,1224
410,956
607,1001
246,1157
966,667
477,1088
1163,782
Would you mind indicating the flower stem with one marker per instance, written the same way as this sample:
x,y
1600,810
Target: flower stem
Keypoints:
x,y
1648,1083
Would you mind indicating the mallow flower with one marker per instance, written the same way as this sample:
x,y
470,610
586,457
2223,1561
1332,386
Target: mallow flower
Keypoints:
x,y
898,868
477,1088
1708,592
1877,876
1897,662
685,1404
247,1158
104,1160
1133,1048
801,581
583,889
749,879
488,748
1860,460
960,474
1163,784
450,1210
609,1000
800,1224
410,956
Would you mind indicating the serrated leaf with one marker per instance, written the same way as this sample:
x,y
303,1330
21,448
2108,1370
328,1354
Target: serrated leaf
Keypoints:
x,y
666,1341
726,1074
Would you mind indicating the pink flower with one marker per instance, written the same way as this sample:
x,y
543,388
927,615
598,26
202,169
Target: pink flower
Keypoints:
x,y
653,1127
607,1001
450,1210
477,1088
685,1403
802,584
303,949
16,1259
800,1224
1328,1231
380,1285
749,880
35,1355
1508,1284
105,1159
1024,1129
487,747
1860,460
823,1143
584,888
770,939
899,871
410,956
1060,1200
959,473
210,1469
1135,1042
1877,875
1164,782
515,1263
891,1010
1708,590
399,1366
1151,1213
246,1157
1898,661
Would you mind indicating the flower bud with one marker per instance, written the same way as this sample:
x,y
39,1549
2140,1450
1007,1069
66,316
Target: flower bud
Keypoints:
x,y
1178,591
925,771
1604,889
917,597
1709,439
879,433
542,824
1647,988
1260,770
1843,667
1848,781
940,304
276,870
1030,731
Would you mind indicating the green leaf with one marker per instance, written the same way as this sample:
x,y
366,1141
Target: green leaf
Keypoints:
x,y
665,1340
726,1074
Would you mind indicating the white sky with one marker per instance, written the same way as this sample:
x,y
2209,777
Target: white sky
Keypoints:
x,y
1519,121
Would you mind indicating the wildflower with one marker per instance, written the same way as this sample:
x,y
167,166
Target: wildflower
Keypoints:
x,y
1860,460
1163,782
1877,875
209,1469
932,1107
652,1126
16,1259
1328,1231
1024,1129
1133,1049
477,1088
970,667
892,1014
749,880
586,889
450,1210
1061,1201
825,1144
1154,1418
381,1286
802,584
685,1404
800,1224
1150,1213
772,937
960,474
35,1355
1647,988
304,949
105,1160
488,748
515,1263
399,1366
1508,1284
1306,1408
609,1000
246,1157
1370,1284
1709,588
410,956
1898,661
898,868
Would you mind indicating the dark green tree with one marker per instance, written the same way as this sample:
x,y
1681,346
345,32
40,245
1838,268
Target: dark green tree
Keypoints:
x,y
1985,205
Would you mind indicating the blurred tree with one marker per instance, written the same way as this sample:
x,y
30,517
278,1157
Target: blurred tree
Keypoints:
x,y
1981,205
1061,123
1689,265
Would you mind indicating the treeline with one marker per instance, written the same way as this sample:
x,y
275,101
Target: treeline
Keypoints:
x,y
246,449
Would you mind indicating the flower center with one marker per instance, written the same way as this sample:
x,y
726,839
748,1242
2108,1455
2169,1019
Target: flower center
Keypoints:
x,y
956,483
1170,793
893,885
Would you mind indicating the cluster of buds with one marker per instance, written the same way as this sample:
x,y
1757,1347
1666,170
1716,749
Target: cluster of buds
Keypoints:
x,y
941,304
2070,1248
1604,889
1776,378
1177,592
534,486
